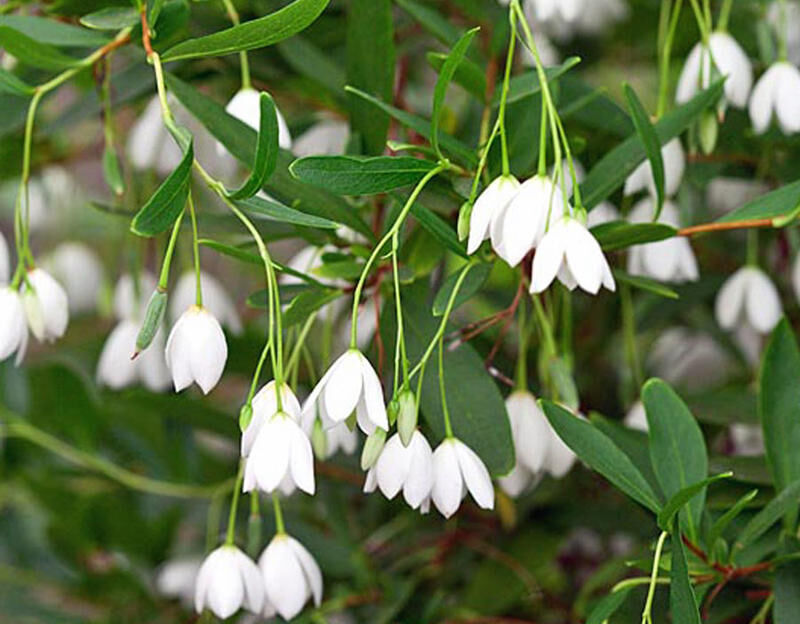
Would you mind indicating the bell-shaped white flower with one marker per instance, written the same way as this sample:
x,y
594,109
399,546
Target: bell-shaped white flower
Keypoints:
x,y
520,225
290,575
457,469
215,299
328,137
5,261
729,59
227,581
117,370
13,326
674,161
408,468
748,296
604,212
78,268
150,145
560,458
132,294
46,305
280,456
636,418
518,480
568,250
489,205
176,578
777,93
246,107
349,384
531,434
669,260
265,406
341,438
196,350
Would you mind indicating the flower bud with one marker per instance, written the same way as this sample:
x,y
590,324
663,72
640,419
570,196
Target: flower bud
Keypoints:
x,y
464,213
153,317
406,416
245,416
372,448
392,410
319,440
708,130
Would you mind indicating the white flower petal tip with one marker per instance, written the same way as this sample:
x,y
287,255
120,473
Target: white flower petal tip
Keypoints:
x,y
457,469
196,350
13,325
228,581
290,575
490,203
117,370
569,251
407,468
777,95
46,306
349,384
748,297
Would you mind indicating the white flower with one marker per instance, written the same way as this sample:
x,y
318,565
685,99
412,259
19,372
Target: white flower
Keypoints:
x,y
341,438
290,575
489,205
246,107
150,145
176,578
228,580
669,260
747,440
604,212
748,296
408,468
327,137
5,261
13,328
117,370
569,251
531,434
520,224
636,418
265,406
79,269
132,295
46,306
196,350
560,458
349,384
215,299
280,456
456,470
777,92
518,480
674,164
729,59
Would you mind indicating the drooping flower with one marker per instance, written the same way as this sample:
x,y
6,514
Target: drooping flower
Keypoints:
x,y
246,107
777,93
131,295
176,578
13,327
349,384
530,432
5,261
46,305
196,350
326,137
674,161
265,406
729,59
280,456
568,250
227,581
78,268
488,207
407,468
150,145
215,299
117,370
669,260
457,469
290,575
560,458
748,296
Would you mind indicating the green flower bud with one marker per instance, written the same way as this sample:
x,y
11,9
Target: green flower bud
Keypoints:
x,y
372,448
153,317
407,416
464,215
708,130
392,410
245,416
319,441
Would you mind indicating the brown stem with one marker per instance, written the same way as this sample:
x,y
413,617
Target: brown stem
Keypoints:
x,y
729,225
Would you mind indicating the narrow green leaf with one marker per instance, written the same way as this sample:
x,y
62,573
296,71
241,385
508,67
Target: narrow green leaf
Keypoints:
x,y
32,52
607,606
787,592
111,18
645,283
443,81
53,32
351,175
266,156
772,205
232,252
718,528
275,211
167,203
682,599
9,83
652,145
621,234
257,33
310,61
786,501
476,277
527,84
680,498
468,74
601,454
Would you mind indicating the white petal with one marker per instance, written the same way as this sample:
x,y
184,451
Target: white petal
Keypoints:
x,y
115,368
690,76
732,62
730,300
284,580
373,395
344,386
419,481
252,582
269,458
763,98
548,258
787,104
476,477
208,350
762,302
489,204
448,484
584,257
392,466
310,568
301,461
530,429
178,363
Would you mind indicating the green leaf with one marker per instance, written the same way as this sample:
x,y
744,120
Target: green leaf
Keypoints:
x,y
607,606
53,32
621,234
476,277
154,10
370,66
785,502
601,454
779,407
232,252
257,33
309,60
9,83
677,447
772,205
266,156
645,283
468,74
32,52
437,226
680,498
652,145
431,20
610,172
307,303
352,175
111,18
718,528
275,211
167,203
787,592
443,81
682,600
527,84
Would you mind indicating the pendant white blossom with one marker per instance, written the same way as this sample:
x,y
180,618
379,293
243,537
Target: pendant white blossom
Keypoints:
x,y
77,267
150,145
674,160
290,575
117,370
457,469
46,306
327,137
777,93
568,250
748,296
407,468
215,300
196,350
227,581
265,406
131,295
530,432
488,207
728,58
13,326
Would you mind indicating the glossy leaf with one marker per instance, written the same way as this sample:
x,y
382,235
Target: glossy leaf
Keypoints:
x,y
266,156
275,211
652,145
32,52
350,175
772,205
53,32
621,234
719,526
111,18
472,283
682,599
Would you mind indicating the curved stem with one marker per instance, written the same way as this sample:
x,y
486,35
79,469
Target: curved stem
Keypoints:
x,y
233,15
501,115
724,15
648,605
280,529
163,279
665,55
230,535
196,253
